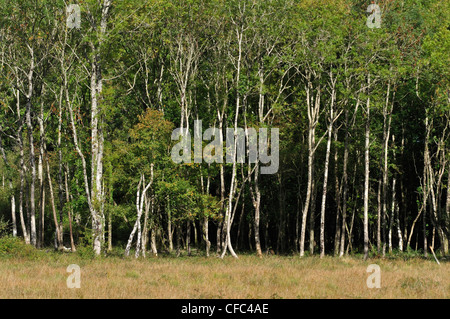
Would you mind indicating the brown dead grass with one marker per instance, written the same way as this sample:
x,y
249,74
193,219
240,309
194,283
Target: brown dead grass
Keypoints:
x,y
246,277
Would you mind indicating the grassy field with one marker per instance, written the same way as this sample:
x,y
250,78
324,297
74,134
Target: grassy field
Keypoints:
x,y
44,276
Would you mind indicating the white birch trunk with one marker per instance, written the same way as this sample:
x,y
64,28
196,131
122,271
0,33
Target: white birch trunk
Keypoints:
x,y
55,219
140,197
325,173
311,133
391,218
229,209
33,237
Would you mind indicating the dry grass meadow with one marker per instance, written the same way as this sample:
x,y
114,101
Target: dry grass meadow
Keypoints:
x,y
199,277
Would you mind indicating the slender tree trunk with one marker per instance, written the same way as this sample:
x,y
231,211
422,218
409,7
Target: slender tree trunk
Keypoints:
x,y
13,211
395,211
42,221
153,233
399,230
425,186
297,219
40,241
140,197
344,186
350,231
206,235
250,235
256,198
324,191
391,218
60,172
110,231
169,226
219,234
228,213
379,215
425,235
139,212
411,231
159,91
27,208
69,209
386,136
233,186
188,237
178,236
434,211
433,236
96,160
240,230
52,201
33,236
366,180
403,210
337,193
257,221
312,219
97,134
145,229
325,172
206,219
308,191
194,224
22,186
139,238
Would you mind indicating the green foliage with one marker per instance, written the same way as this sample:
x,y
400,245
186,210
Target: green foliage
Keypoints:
x,y
14,247
5,227
85,252
84,248
157,56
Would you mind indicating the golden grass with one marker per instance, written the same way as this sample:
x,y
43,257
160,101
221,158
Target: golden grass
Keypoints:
x,y
246,277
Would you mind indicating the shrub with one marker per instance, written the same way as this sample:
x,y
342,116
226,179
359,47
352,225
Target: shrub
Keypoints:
x,y
4,227
16,247
85,252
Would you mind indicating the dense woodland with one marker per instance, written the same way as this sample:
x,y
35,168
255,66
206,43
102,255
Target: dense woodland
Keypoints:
x,y
363,115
